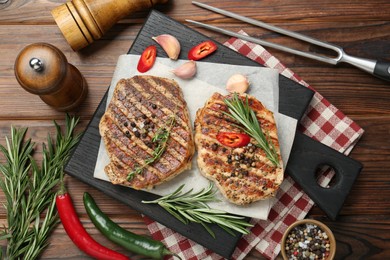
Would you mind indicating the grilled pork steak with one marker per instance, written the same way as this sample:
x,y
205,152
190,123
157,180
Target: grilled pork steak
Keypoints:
x,y
144,108
243,174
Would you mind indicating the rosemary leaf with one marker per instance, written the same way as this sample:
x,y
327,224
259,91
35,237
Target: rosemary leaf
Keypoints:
x,y
192,207
161,138
30,190
246,117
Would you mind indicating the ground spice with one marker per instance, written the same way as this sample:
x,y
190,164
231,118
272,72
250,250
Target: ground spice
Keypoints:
x,y
307,241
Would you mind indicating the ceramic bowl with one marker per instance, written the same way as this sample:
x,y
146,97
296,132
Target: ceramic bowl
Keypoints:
x,y
322,226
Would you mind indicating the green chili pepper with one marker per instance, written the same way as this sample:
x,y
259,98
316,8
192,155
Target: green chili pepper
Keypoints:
x,y
135,243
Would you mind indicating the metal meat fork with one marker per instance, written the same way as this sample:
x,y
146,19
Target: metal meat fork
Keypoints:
x,y
380,69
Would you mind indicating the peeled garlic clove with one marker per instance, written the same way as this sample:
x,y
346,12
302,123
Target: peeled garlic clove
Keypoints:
x,y
186,70
237,83
170,45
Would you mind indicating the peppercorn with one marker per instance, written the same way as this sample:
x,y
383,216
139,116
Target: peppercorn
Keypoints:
x,y
137,134
214,147
154,106
133,124
126,124
307,241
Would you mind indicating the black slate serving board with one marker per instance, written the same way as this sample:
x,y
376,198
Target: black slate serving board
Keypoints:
x,y
293,101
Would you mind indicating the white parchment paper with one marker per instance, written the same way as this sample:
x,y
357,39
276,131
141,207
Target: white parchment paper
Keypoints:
x,y
210,78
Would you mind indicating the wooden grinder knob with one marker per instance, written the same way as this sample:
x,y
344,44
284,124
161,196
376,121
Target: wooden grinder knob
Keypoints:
x,y
42,69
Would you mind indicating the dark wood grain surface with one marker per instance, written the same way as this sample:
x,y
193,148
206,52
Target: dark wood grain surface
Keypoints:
x,y
361,27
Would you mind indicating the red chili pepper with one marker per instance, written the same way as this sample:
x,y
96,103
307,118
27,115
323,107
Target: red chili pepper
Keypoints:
x,y
147,59
202,50
233,139
78,234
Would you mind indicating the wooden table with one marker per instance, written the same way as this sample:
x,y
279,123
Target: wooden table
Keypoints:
x,y
361,27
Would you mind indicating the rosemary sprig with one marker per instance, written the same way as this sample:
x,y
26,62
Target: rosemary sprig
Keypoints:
x,y
29,189
160,138
192,207
242,112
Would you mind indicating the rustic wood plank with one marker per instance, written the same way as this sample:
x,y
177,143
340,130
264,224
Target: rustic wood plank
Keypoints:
x,y
361,27
38,12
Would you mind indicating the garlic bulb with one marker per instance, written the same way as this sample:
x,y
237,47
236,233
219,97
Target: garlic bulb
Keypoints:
x,y
237,83
170,45
186,70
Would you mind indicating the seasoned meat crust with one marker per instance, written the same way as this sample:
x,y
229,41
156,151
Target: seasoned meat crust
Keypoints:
x,y
243,174
140,107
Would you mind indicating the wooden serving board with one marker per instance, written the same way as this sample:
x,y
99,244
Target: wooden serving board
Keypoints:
x,y
293,101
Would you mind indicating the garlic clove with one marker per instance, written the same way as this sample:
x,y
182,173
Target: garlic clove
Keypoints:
x,y
237,83
170,45
186,70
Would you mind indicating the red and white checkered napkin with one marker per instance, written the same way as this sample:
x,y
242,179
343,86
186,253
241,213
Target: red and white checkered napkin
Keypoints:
x,y
323,122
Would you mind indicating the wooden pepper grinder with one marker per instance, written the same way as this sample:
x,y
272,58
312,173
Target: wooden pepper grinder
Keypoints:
x,y
84,21
42,69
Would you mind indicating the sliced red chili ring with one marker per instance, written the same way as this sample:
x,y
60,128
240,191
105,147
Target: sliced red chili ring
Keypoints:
x,y
202,50
147,59
233,139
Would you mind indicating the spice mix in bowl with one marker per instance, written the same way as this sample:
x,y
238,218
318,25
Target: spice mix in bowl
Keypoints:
x,y
308,239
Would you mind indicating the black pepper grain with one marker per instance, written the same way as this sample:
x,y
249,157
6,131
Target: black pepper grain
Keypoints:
x,y
126,124
133,124
307,241
137,134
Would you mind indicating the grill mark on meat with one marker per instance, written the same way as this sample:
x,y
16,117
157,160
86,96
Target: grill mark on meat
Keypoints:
x,y
247,175
120,148
122,170
134,101
265,117
211,114
161,114
136,111
151,174
212,120
119,111
167,96
140,151
212,158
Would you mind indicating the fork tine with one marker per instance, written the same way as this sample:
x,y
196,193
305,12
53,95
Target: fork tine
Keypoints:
x,y
314,56
273,28
380,69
